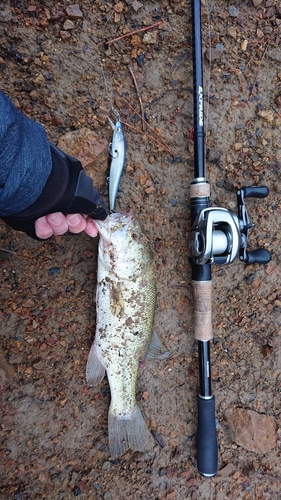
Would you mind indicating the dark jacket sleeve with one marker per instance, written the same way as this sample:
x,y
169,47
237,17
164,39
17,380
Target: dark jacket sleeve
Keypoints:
x,y
25,159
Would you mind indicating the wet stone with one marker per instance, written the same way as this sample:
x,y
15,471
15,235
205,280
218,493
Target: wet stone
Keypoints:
x,y
213,156
74,12
54,271
233,12
251,430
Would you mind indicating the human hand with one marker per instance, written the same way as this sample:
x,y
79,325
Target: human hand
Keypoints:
x,y
58,223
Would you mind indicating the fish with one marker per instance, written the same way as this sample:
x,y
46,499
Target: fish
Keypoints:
x,y
117,153
125,304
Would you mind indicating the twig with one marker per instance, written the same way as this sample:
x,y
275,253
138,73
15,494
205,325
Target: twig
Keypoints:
x,y
8,251
237,72
134,32
162,142
152,138
139,97
259,67
15,254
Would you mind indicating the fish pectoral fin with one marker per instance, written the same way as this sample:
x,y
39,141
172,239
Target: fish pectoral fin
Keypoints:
x,y
95,370
128,432
156,349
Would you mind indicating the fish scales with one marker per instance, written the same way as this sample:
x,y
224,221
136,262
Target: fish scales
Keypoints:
x,y
125,301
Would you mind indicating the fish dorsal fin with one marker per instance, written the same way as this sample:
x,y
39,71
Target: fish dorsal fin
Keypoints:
x,y
156,349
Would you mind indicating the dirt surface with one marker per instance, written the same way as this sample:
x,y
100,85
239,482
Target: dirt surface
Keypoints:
x,y
58,70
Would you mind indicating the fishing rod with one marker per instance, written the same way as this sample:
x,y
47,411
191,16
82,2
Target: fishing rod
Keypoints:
x,y
217,236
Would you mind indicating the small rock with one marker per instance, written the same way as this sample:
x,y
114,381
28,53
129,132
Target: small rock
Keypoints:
x,y
57,16
256,3
275,54
260,33
54,271
267,115
137,6
251,430
39,365
233,12
105,465
68,25
39,80
173,202
213,156
64,35
74,12
227,471
232,31
215,52
150,38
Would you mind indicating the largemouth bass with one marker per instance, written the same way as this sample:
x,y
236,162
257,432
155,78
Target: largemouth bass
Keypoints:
x,y
125,303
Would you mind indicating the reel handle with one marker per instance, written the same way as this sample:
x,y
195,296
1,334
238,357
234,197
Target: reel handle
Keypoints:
x,y
258,256
254,191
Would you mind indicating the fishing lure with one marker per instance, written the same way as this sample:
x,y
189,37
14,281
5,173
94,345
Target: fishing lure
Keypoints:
x,y
117,153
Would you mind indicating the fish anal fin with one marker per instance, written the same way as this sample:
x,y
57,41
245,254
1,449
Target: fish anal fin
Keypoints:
x,y
128,432
95,370
156,349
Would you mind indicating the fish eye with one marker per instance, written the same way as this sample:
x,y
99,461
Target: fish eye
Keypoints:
x,y
135,236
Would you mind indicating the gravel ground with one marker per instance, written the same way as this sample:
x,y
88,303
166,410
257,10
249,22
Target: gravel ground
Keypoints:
x,y
59,69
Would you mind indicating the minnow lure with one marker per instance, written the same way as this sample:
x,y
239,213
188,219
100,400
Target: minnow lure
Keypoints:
x,y
117,152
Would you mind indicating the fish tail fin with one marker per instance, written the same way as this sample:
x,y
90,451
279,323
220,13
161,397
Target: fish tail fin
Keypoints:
x,y
95,370
128,432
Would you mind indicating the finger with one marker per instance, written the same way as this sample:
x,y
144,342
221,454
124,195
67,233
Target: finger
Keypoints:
x,y
42,228
76,223
57,222
91,229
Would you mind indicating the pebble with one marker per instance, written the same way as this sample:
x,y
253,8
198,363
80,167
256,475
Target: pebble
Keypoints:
x,y
233,12
68,25
232,31
251,430
54,271
74,12
267,115
106,465
215,52
256,3
274,54
227,471
213,155
173,202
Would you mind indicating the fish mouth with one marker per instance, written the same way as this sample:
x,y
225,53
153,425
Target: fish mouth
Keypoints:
x,y
116,221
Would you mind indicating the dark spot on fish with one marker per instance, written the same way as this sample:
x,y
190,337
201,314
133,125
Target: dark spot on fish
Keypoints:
x,y
136,333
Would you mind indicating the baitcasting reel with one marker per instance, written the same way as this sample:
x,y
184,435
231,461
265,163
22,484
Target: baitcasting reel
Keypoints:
x,y
218,234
